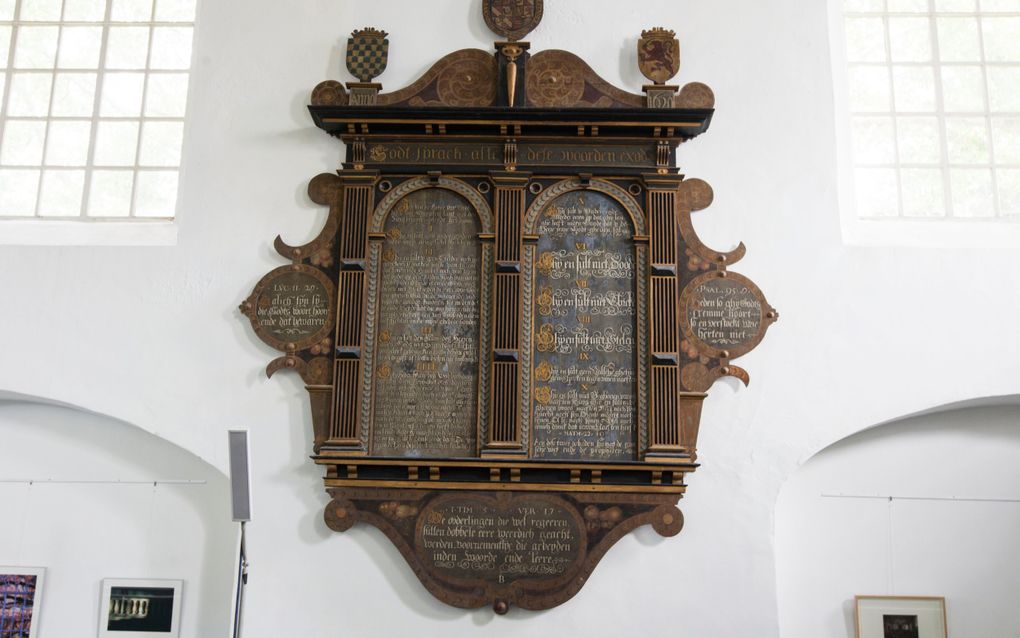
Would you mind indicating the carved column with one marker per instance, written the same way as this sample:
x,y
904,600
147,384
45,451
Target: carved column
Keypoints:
x,y
665,437
357,202
504,436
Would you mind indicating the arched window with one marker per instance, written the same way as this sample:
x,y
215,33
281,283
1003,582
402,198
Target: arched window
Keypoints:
x,y
932,108
93,104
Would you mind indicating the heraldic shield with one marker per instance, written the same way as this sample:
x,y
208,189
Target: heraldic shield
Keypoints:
x,y
658,55
512,19
367,51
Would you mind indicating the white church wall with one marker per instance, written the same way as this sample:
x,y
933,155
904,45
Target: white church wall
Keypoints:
x,y
152,336
949,528
90,498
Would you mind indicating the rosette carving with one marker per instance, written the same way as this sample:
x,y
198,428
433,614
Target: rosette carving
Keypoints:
x,y
695,96
329,93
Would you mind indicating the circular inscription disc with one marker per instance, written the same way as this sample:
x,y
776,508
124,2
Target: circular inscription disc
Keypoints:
x,y
499,541
292,305
724,314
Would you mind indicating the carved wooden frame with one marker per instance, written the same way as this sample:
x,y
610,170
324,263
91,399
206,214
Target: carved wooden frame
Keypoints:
x,y
460,127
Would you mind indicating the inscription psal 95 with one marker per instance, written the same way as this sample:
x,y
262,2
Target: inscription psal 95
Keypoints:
x,y
585,384
724,313
427,355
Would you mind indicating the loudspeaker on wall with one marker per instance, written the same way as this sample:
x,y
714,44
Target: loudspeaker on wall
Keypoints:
x,y
240,482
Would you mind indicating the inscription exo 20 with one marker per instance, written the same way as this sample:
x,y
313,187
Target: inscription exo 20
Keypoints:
x,y
507,325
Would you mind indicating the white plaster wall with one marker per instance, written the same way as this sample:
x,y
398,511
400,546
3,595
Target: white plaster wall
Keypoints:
x,y
949,530
90,498
152,335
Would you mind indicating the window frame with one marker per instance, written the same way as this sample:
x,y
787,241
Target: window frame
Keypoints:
x,y
131,230
938,232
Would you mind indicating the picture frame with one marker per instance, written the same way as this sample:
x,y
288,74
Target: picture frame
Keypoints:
x,y
21,591
140,608
901,617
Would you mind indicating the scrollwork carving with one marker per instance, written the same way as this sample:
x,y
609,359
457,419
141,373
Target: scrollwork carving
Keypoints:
x,y
324,189
475,87
467,81
557,79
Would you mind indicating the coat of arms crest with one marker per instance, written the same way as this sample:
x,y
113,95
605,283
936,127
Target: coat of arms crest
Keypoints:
x,y
659,54
512,19
367,51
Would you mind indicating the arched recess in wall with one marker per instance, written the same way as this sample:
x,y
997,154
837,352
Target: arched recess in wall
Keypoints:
x,y
928,505
89,497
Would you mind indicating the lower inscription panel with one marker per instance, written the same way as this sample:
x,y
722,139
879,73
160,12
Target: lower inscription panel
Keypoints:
x,y
531,550
473,538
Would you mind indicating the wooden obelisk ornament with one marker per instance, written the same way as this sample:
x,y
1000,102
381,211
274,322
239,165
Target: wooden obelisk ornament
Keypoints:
x,y
508,324
367,53
659,61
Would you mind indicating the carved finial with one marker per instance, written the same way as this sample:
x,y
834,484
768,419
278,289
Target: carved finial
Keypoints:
x,y
512,19
367,52
659,54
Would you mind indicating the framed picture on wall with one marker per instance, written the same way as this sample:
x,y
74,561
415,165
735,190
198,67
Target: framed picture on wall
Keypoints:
x,y
901,617
132,608
20,592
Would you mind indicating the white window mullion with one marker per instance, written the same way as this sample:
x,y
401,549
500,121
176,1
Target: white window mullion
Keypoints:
x,y
988,117
97,100
49,110
142,118
892,110
940,112
5,98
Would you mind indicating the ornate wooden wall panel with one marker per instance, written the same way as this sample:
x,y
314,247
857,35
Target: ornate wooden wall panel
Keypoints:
x,y
507,325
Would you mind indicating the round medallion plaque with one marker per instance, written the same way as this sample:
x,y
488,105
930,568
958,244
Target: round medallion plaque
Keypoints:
x,y
292,307
725,313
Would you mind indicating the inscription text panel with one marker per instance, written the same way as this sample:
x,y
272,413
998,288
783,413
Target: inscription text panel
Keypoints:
x,y
584,398
725,313
469,538
426,373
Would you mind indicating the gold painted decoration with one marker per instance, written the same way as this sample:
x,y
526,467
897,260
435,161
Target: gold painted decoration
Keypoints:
x,y
512,19
659,54
367,53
